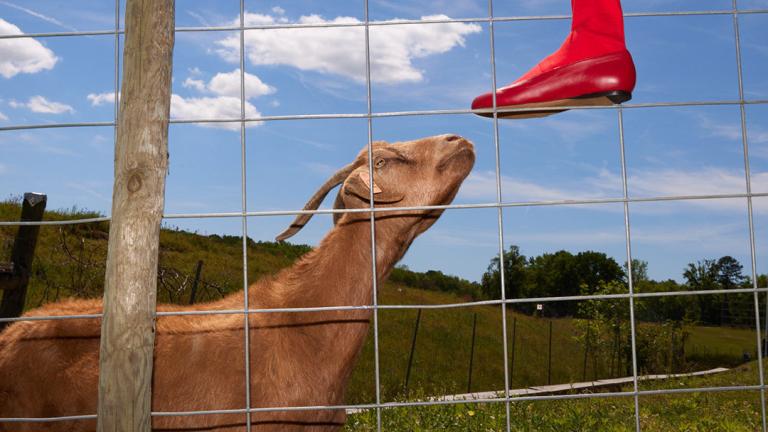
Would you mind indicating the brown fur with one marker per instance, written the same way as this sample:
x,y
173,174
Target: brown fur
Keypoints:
x,y
50,368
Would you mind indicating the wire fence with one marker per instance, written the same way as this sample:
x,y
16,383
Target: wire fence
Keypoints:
x,y
498,204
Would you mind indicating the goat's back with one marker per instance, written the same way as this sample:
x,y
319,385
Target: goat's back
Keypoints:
x,y
49,368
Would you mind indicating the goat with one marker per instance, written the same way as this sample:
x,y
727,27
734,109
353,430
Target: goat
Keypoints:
x,y
50,368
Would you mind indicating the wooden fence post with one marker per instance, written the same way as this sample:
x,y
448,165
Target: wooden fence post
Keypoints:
x,y
141,165
16,277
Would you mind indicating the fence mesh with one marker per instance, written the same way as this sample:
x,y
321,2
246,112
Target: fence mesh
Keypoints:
x,y
499,204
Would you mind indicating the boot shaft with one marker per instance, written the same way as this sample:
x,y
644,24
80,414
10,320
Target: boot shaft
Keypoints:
x,y
598,22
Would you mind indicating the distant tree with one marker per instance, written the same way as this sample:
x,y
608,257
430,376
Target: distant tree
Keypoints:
x,y
664,308
553,275
722,274
729,274
639,270
702,276
435,280
565,274
514,275
594,268
736,309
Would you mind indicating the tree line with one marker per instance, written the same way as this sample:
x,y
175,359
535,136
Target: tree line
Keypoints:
x,y
563,273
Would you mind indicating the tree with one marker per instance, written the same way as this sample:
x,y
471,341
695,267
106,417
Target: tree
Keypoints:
x,y
593,268
553,275
514,275
736,308
729,274
701,276
639,271
565,274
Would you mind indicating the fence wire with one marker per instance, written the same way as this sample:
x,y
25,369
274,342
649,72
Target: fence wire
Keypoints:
x,y
499,204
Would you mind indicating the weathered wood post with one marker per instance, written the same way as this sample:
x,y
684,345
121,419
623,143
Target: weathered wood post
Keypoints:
x,y
15,278
141,164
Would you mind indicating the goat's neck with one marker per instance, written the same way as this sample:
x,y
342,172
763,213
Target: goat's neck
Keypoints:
x,y
338,272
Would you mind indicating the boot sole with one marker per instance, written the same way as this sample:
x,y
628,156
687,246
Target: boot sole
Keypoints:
x,y
596,99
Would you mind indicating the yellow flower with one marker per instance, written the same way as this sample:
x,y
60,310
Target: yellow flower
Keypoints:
x,y
470,413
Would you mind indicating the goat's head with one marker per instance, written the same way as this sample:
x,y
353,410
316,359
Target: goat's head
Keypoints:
x,y
424,172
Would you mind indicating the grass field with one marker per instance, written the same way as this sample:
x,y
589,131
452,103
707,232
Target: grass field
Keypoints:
x,y
733,411
441,359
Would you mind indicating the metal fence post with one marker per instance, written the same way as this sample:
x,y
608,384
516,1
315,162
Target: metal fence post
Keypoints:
x,y
549,355
141,166
472,353
413,348
586,353
17,279
193,294
512,351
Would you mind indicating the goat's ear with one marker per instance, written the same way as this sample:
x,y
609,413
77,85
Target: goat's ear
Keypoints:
x,y
358,184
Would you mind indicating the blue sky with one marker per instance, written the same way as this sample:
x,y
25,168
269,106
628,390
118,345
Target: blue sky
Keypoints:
x,y
670,151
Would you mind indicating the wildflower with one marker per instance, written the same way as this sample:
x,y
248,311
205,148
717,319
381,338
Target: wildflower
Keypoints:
x,y
470,413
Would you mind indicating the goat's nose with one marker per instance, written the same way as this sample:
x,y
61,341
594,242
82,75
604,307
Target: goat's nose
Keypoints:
x,y
452,138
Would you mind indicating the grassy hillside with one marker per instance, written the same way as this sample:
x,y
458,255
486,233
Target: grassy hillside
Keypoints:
x,y
441,360
70,259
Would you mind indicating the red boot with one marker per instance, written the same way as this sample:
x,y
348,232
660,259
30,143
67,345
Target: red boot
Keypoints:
x,y
592,67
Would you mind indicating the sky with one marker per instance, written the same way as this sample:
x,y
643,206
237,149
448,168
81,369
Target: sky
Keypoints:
x,y
574,155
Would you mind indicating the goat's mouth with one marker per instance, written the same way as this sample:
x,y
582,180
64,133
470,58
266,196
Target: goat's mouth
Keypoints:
x,y
459,161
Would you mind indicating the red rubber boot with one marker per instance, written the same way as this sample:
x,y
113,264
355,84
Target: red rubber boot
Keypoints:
x,y
592,67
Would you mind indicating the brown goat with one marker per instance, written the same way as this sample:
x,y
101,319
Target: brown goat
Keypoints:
x,y
50,368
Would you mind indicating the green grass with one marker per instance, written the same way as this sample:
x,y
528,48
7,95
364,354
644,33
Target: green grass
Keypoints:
x,y
733,411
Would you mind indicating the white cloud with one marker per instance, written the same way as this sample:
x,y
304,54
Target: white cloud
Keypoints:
x,y
705,181
39,104
222,107
196,84
3,169
481,186
101,98
228,84
225,105
341,50
22,55
201,19
3,117
35,14
278,10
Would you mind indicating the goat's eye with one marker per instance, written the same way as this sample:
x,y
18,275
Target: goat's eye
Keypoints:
x,y
380,162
